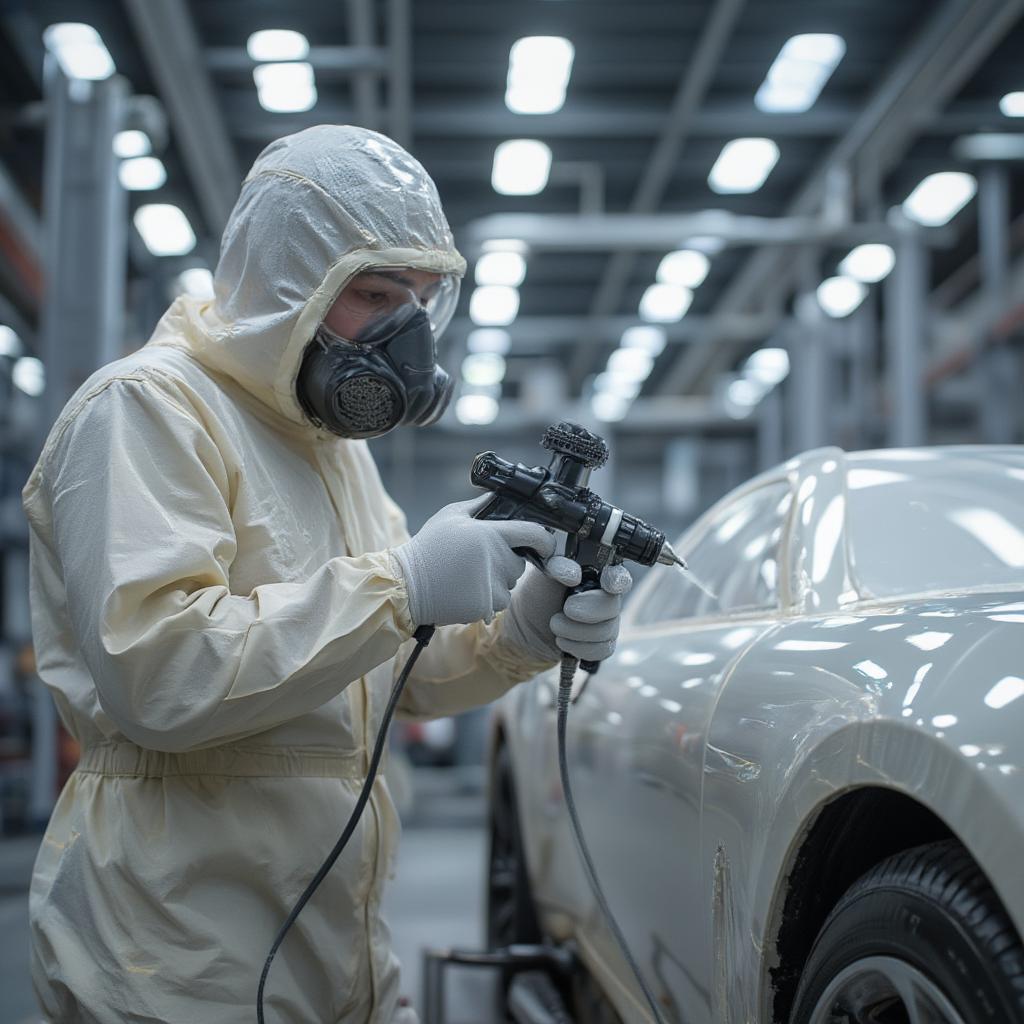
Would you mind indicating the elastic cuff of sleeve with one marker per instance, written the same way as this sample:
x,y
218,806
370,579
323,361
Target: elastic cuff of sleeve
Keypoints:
x,y
510,660
391,568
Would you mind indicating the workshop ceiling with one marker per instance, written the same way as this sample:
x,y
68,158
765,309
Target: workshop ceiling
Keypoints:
x,y
657,89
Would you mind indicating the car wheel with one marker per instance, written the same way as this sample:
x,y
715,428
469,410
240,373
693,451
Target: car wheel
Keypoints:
x,y
511,917
920,939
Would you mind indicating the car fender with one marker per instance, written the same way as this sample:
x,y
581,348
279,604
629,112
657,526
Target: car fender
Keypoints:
x,y
803,719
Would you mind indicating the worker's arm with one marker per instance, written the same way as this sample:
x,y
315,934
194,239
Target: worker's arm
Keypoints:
x,y
142,533
464,666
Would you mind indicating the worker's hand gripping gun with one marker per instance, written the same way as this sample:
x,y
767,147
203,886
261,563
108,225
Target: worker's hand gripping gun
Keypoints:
x,y
557,496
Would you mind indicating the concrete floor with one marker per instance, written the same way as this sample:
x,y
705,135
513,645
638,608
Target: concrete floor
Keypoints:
x,y
435,900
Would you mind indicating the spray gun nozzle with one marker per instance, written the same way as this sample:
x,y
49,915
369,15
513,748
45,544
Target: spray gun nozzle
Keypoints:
x,y
669,557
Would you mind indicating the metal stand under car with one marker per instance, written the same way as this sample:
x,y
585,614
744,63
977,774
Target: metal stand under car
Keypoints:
x,y
533,994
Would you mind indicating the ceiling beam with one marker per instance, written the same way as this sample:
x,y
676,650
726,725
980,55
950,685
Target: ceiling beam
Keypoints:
x,y
541,333
171,48
476,119
340,60
659,232
948,50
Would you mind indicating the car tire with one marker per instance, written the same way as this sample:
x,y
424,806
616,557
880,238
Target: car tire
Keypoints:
x,y
511,917
922,936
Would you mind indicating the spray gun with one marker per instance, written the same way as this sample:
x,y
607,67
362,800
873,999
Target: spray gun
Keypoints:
x,y
557,496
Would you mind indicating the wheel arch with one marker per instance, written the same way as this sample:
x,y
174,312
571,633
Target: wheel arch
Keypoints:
x,y
847,837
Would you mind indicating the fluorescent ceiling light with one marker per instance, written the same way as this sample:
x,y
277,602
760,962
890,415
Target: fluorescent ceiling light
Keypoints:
x,y
491,390
142,173
165,229
197,282
494,305
665,303
131,142
650,339
743,165
79,50
505,245
940,197
1012,104
10,343
739,400
744,392
840,296
489,339
29,376
521,167
479,409
630,363
686,267
538,74
273,44
483,369
507,268
869,262
795,79
621,387
768,366
285,88
609,407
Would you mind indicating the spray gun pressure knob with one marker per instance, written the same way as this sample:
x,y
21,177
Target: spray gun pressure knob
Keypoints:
x,y
577,443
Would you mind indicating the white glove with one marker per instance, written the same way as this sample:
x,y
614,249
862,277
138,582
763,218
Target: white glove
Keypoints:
x,y
543,622
461,569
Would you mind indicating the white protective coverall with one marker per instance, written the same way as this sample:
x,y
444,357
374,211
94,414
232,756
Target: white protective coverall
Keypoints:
x,y
217,617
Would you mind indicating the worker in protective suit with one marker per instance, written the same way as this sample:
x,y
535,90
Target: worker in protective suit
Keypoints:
x,y
221,591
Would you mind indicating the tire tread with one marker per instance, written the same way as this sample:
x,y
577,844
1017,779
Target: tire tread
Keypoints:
x,y
944,872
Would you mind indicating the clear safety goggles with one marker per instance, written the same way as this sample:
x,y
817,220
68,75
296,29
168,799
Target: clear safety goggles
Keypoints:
x,y
377,303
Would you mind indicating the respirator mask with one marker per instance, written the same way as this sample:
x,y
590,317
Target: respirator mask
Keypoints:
x,y
380,370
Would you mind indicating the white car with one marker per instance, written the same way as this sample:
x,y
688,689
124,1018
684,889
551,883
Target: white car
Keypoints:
x,y
802,788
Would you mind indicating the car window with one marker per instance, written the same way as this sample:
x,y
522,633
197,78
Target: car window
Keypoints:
x,y
954,520
733,557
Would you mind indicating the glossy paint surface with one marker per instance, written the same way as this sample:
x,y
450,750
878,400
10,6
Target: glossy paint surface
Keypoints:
x,y
706,744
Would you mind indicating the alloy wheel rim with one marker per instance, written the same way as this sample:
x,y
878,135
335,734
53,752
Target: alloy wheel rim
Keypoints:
x,y
883,990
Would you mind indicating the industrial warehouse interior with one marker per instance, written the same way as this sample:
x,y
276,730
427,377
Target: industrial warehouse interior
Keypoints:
x,y
626,397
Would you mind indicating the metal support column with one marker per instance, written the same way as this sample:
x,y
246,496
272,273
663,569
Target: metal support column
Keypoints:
x,y
997,374
807,389
862,337
770,437
400,72
365,88
906,292
85,212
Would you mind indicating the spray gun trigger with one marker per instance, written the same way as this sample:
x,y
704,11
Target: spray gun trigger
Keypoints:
x,y
531,556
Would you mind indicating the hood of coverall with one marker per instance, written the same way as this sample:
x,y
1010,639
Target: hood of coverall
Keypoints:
x,y
317,208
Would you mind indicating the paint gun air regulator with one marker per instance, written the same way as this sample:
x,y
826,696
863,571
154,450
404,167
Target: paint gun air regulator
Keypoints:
x,y
557,496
